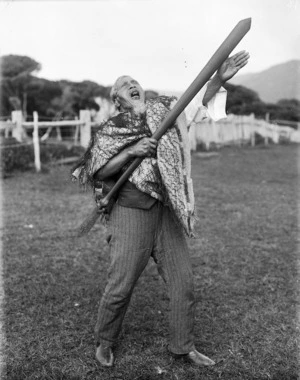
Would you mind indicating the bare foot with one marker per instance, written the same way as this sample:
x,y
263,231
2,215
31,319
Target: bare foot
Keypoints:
x,y
105,356
199,359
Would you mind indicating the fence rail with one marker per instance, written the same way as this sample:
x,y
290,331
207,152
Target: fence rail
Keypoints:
x,y
232,130
62,123
294,124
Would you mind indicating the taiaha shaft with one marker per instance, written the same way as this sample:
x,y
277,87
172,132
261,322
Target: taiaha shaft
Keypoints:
x,y
209,69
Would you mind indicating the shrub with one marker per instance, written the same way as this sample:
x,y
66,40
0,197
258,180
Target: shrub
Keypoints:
x,y
54,152
18,156
15,155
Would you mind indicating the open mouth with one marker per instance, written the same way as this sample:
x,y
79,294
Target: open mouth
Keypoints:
x,y
135,95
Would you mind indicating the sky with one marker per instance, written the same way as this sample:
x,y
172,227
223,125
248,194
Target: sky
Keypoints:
x,y
163,44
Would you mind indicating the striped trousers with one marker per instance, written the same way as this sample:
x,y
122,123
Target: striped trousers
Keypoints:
x,y
136,235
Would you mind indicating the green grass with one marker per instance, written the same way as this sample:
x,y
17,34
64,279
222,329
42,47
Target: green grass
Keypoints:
x,y
245,267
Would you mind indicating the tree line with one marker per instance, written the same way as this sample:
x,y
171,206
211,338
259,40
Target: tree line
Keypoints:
x,y
22,90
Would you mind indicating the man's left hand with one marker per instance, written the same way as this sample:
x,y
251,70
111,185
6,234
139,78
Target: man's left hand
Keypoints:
x,y
232,65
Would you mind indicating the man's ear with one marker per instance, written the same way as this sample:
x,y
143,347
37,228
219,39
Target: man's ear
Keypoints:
x,y
117,103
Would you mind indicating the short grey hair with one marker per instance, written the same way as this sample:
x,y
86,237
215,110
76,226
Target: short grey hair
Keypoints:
x,y
115,88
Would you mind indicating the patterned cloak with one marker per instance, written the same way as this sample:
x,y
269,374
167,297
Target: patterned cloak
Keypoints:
x,y
166,177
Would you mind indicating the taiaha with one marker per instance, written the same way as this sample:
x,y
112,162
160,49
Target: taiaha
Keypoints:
x,y
205,74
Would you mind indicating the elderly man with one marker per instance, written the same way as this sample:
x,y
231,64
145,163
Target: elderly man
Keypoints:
x,y
153,211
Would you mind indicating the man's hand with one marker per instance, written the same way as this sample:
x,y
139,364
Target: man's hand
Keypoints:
x,y
146,147
232,65
226,71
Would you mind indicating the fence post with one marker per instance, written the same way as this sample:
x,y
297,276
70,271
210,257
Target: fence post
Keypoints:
x,y
192,137
58,134
243,132
267,118
239,130
36,142
6,131
76,135
252,121
17,132
85,129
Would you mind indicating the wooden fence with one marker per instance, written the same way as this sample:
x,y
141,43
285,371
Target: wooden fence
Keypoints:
x,y
234,129
240,130
20,130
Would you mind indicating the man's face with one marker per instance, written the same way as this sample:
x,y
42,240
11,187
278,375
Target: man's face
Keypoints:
x,y
130,93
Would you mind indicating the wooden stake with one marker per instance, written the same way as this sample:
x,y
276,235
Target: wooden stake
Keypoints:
x,y
85,128
76,135
36,142
17,132
252,123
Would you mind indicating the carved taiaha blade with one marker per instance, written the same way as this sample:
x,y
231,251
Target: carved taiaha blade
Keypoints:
x,y
235,36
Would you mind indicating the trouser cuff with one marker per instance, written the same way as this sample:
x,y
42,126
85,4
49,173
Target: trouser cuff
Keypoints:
x,y
179,353
104,343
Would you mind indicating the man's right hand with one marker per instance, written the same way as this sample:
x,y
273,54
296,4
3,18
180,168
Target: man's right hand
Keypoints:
x,y
146,147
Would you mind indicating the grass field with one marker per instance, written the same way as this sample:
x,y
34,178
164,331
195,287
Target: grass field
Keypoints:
x,y
244,261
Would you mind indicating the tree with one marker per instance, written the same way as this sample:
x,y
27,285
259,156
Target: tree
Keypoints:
x,y
16,75
240,100
64,105
22,90
88,91
289,109
14,65
41,92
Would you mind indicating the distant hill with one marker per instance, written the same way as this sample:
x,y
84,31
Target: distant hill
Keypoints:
x,y
278,82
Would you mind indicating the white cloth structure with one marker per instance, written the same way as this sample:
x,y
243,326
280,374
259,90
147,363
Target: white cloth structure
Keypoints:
x,y
196,112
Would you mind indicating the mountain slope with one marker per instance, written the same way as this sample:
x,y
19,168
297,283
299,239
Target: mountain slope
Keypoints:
x,y
278,82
